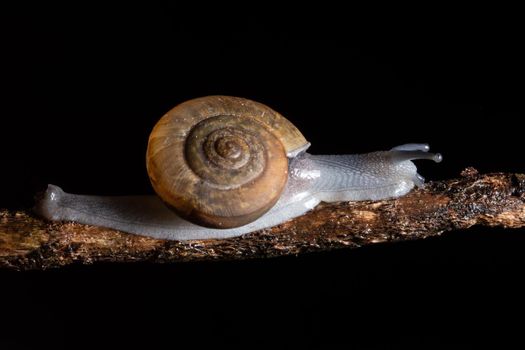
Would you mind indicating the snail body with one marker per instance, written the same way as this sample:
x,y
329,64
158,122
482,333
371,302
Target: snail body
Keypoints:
x,y
225,166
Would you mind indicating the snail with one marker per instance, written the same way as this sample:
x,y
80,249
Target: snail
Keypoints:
x,y
226,166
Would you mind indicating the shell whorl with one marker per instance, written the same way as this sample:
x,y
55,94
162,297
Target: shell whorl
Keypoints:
x,y
221,161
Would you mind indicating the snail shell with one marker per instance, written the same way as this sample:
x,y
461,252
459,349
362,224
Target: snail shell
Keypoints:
x,y
221,161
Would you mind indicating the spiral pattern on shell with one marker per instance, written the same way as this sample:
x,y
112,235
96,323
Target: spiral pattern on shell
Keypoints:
x,y
221,161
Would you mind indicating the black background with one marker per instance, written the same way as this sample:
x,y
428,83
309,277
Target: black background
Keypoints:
x,y
86,83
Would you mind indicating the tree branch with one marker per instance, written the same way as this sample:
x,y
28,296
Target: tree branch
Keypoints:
x,y
27,242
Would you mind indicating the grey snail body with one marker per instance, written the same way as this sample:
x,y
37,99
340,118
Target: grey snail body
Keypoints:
x,y
202,207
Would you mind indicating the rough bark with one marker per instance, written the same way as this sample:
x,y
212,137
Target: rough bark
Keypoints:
x,y
27,242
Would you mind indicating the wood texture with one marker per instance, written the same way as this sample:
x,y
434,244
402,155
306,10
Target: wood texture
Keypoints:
x,y
27,242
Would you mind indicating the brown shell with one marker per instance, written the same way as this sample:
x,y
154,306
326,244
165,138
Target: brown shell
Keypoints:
x,y
220,161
